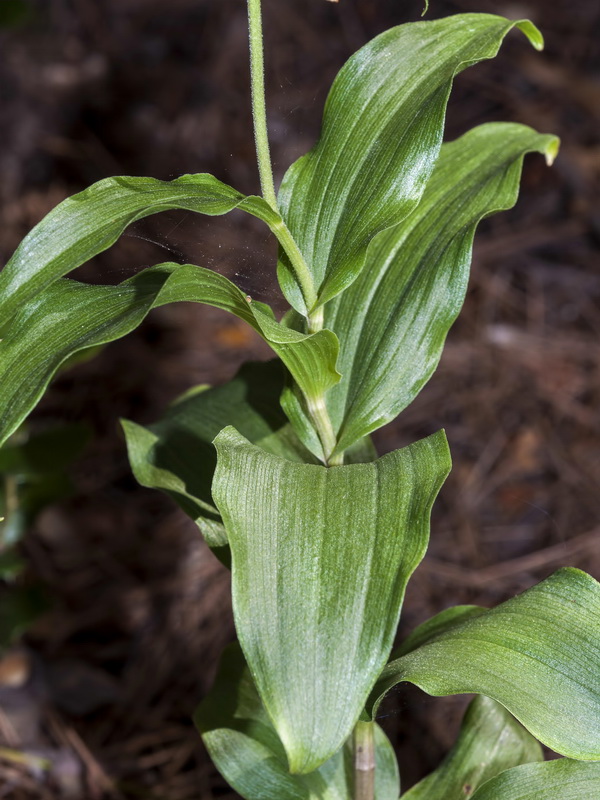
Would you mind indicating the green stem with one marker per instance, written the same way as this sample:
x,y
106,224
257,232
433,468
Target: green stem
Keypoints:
x,y
301,270
317,408
261,137
322,422
259,110
364,761
316,320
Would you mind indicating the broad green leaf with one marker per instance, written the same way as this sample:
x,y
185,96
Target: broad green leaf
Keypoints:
x,y
243,744
393,321
177,455
320,562
537,654
490,741
562,779
90,222
69,317
382,131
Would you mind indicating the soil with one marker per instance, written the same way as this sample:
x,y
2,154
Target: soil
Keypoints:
x,y
104,684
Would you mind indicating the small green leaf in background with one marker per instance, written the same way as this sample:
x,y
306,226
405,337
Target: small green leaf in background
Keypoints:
x,y
68,317
50,450
14,12
562,779
393,321
20,607
33,475
538,654
320,562
382,131
243,744
11,564
490,741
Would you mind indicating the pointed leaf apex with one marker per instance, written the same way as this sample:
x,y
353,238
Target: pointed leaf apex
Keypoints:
x,y
531,32
551,150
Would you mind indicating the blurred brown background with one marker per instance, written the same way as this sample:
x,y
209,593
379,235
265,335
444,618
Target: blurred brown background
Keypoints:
x,y
141,609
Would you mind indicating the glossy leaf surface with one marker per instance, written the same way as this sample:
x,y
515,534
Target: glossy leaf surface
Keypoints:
x,y
69,317
90,222
562,779
490,741
393,321
382,131
243,744
440,623
320,562
538,654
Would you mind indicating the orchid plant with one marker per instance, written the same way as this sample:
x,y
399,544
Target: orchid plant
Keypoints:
x,y
375,228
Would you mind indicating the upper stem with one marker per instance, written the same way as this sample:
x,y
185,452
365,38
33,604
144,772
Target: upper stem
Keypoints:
x,y
259,110
297,262
318,409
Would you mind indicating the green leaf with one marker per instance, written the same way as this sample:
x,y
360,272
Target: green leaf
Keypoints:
x,y
393,321
382,131
537,654
562,779
440,623
243,744
69,317
320,561
490,741
89,222
177,455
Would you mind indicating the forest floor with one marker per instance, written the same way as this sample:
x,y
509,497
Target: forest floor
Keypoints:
x,y
104,684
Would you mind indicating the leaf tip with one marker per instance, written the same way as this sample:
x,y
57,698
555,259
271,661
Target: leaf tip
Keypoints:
x,y
551,150
532,32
